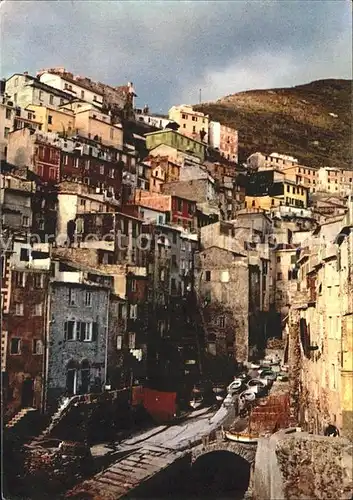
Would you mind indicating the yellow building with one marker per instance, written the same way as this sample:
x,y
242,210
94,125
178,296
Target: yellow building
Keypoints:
x,y
283,193
92,123
192,123
54,119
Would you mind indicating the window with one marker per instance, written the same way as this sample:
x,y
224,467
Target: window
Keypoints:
x,y
208,276
20,279
278,259
193,128
41,95
132,340
88,299
51,99
225,276
111,173
279,276
37,347
70,330
38,310
82,94
38,281
119,342
133,285
61,102
84,331
19,308
8,114
76,163
222,321
87,164
6,131
133,311
112,133
72,297
50,120
15,346
121,311
101,169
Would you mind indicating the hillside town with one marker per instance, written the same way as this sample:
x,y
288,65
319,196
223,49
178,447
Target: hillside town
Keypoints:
x,y
139,252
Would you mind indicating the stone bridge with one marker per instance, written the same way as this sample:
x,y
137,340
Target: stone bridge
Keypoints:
x,y
217,442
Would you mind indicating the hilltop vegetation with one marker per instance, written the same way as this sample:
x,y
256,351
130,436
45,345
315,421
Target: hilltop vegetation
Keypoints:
x,y
311,122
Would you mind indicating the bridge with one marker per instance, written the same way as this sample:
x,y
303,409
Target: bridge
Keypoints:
x,y
216,442
152,457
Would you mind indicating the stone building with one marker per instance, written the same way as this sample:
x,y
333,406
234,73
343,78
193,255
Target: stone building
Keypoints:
x,y
322,342
77,339
222,285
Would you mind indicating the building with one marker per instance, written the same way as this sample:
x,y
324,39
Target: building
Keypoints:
x,y
157,121
99,94
223,139
267,190
16,194
222,284
181,211
320,328
25,325
93,124
37,151
162,170
117,236
24,90
61,119
289,166
177,141
79,307
193,124
335,181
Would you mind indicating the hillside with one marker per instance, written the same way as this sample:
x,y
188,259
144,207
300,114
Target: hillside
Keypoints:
x,y
294,121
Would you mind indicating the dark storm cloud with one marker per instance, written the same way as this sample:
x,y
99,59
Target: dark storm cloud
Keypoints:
x,y
171,49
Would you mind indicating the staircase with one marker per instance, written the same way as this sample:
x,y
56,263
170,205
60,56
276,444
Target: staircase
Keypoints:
x,y
19,417
62,410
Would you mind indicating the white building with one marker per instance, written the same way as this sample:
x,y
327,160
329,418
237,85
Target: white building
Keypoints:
x,y
77,89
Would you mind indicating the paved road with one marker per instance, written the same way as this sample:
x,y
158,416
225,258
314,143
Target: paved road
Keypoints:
x,y
177,437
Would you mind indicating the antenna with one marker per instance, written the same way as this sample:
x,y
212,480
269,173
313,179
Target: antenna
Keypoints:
x,y
200,96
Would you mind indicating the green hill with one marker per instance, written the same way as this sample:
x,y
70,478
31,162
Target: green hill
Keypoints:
x,y
294,121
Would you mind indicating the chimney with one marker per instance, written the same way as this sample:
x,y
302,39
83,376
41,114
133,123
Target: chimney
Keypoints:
x,y
25,73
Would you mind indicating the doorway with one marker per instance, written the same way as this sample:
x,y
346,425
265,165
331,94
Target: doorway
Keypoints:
x,y
27,393
71,378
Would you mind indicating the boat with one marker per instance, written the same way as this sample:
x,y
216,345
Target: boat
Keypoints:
x,y
246,436
241,437
197,398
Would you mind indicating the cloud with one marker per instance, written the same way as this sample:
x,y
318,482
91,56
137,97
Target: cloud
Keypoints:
x,y
171,49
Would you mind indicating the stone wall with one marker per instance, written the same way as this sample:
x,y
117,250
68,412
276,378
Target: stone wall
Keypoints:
x,y
303,466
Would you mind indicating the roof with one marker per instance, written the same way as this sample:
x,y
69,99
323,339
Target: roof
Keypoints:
x,y
224,249
175,132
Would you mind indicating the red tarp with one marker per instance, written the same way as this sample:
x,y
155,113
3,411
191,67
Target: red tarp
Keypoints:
x,y
160,405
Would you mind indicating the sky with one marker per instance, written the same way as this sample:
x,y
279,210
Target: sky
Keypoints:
x,y
171,49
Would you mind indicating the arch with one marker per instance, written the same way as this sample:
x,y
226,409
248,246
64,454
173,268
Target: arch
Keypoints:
x,y
247,452
221,471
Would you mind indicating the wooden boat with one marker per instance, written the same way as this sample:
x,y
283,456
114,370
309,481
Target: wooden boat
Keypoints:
x,y
246,436
241,437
